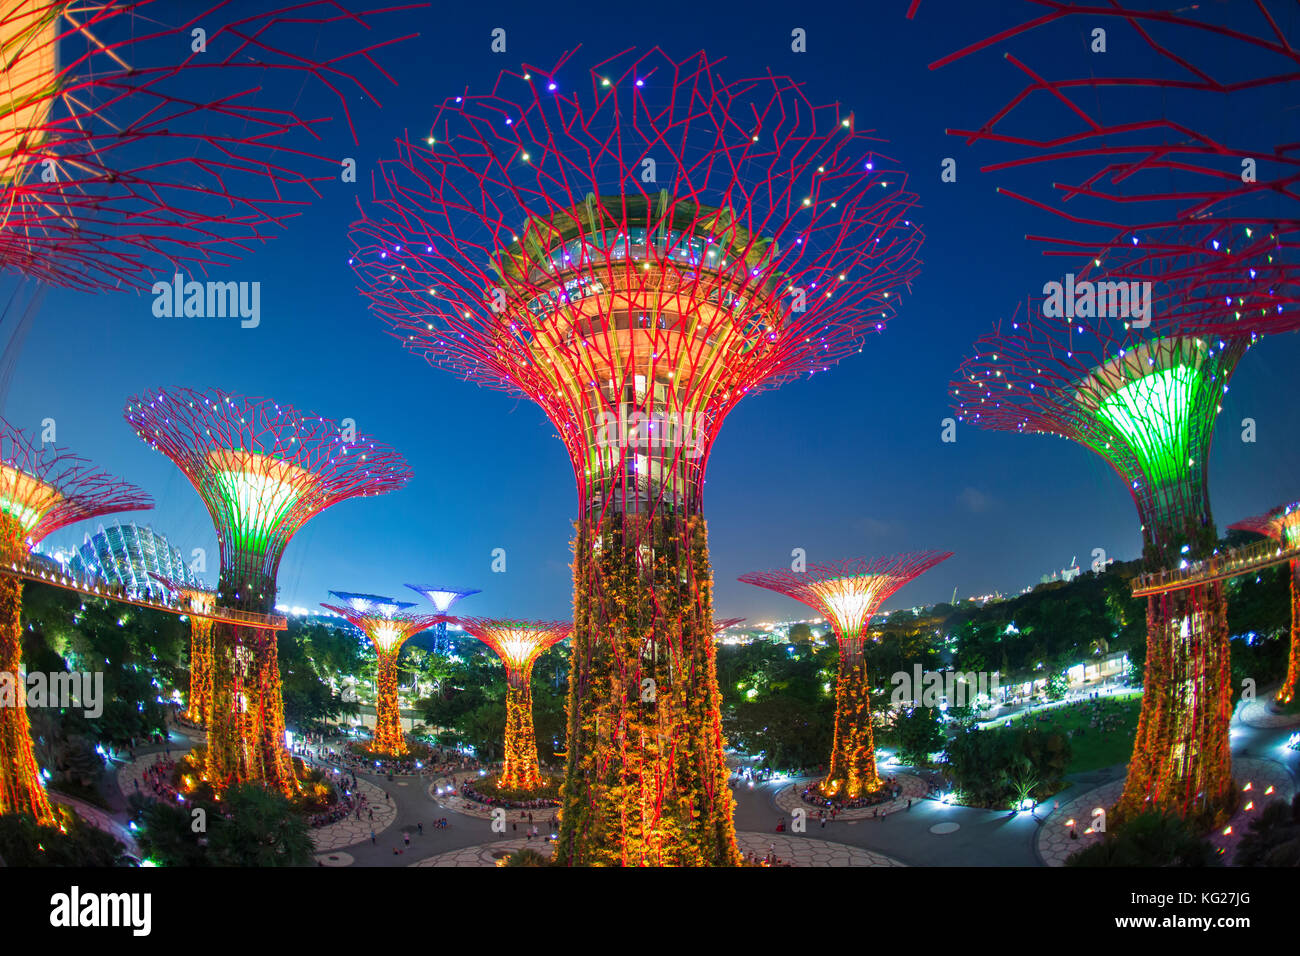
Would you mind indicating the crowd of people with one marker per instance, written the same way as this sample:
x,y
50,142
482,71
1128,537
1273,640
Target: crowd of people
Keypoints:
x,y
812,796
158,777
469,792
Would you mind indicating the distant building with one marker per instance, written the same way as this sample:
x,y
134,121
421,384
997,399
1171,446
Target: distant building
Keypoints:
x,y
125,554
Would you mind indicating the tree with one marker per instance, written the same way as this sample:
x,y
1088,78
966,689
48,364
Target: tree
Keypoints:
x,y
1274,837
24,843
790,734
920,733
258,828
1149,839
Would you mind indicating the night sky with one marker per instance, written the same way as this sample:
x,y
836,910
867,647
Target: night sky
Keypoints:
x,y
848,463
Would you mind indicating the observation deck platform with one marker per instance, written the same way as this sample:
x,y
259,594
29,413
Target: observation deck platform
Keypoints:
x,y
1219,567
32,571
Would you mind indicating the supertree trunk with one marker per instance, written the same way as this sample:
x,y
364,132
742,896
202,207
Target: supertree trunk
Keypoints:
x,y
246,733
1287,693
1181,759
21,790
265,731
522,770
852,770
388,720
199,703
646,780
226,762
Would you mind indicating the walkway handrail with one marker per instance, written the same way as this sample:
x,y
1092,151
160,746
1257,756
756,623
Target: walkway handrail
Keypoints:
x,y
32,571
1218,567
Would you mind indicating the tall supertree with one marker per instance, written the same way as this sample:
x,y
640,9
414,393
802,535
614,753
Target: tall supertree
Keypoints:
x,y
200,601
442,598
518,644
1283,524
1145,401
388,626
128,153
848,594
1164,169
262,470
636,247
42,488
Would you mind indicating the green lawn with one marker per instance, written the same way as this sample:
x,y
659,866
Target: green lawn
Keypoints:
x,y
1090,747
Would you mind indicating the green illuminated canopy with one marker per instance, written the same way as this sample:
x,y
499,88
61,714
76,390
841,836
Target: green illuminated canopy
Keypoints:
x,y
259,492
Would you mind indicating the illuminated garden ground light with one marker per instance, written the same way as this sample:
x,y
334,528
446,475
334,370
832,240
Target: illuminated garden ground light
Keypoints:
x,y
1147,407
848,594
198,703
262,470
42,488
113,175
518,644
442,599
388,626
636,250
1283,524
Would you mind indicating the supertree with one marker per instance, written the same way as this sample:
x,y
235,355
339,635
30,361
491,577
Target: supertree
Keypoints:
x,y
1163,173
262,470
200,601
635,248
42,488
126,149
1145,401
848,594
1283,524
518,644
388,626
442,598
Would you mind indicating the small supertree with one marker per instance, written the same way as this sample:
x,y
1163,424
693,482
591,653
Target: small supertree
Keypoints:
x,y
442,598
518,644
1145,401
42,488
636,247
1283,524
388,626
125,150
848,594
201,601
262,470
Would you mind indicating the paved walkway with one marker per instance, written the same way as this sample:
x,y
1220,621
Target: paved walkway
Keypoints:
x,y
99,819
789,799
802,851
486,854
350,830
1261,782
793,849
1258,714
